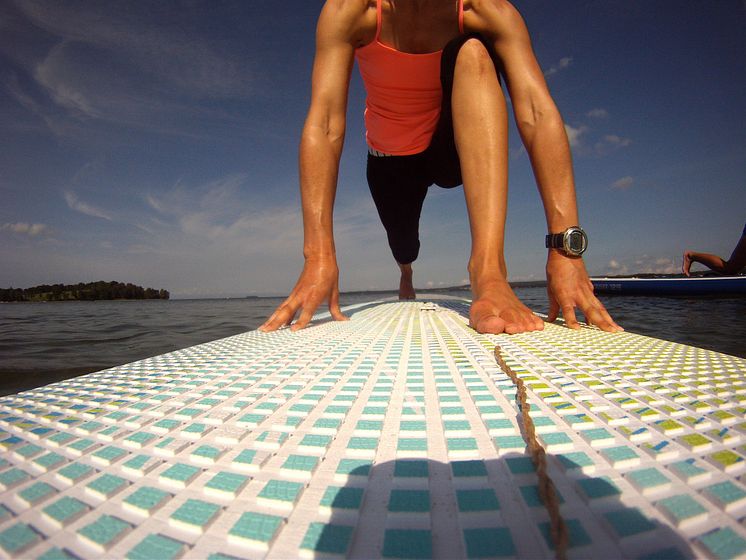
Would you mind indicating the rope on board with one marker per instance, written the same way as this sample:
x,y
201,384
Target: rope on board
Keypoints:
x,y
547,491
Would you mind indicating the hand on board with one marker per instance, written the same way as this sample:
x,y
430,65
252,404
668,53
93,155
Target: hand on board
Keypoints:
x,y
568,287
319,282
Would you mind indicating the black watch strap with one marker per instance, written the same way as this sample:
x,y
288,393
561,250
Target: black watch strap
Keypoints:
x,y
554,240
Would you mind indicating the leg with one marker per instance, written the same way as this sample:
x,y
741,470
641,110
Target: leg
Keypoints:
x,y
399,193
406,286
481,134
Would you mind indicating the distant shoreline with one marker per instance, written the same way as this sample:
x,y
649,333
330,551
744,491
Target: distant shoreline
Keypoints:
x,y
448,289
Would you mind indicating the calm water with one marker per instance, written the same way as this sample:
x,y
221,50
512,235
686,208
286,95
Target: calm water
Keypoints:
x,y
45,342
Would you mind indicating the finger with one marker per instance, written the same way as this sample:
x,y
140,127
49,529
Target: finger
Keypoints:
x,y
597,315
334,309
568,312
280,318
309,308
302,322
271,318
287,301
553,309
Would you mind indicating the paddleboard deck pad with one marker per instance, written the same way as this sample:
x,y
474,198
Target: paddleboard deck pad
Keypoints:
x,y
395,434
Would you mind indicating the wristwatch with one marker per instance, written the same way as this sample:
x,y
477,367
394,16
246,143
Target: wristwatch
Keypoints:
x,y
573,241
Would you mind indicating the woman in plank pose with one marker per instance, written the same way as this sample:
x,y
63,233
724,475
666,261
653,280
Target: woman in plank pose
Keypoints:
x,y
436,114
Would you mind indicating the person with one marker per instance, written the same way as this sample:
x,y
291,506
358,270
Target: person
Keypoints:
x,y
436,114
735,264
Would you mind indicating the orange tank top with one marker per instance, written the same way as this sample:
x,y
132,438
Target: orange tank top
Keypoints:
x,y
403,94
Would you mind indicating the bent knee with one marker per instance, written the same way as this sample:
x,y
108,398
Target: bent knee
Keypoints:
x,y
474,57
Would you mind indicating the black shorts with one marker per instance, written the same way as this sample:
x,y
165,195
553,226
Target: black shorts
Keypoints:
x,y
399,183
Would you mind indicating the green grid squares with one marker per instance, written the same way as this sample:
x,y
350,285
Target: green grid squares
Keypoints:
x,y
179,474
106,485
17,538
477,500
409,501
489,542
724,543
327,538
628,522
726,495
156,546
226,484
342,498
37,492
195,515
256,528
281,491
105,531
146,499
64,511
682,509
354,468
407,543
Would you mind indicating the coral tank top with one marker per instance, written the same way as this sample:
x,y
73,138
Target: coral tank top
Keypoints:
x,y
403,94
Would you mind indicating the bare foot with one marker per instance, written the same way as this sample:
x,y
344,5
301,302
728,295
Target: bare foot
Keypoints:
x,y
687,263
406,287
496,309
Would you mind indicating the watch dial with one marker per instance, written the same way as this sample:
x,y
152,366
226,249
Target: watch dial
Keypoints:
x,y
576,242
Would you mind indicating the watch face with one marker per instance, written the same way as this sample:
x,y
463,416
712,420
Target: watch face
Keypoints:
x,y
576,242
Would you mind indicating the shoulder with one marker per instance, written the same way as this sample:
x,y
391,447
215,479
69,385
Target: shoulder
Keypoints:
x,y
494,18
348,8
348,19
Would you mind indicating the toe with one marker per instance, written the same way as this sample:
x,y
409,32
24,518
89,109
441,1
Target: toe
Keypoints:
x,y
490,324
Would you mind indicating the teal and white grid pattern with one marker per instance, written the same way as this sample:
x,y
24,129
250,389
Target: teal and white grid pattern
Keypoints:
x,y
392,435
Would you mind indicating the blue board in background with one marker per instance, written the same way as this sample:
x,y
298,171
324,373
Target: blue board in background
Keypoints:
x,y
697,286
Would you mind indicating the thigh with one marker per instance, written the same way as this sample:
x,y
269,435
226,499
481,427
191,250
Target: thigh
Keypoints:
x,y
442,153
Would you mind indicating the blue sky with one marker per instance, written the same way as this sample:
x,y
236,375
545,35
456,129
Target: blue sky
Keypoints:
x,y
156,143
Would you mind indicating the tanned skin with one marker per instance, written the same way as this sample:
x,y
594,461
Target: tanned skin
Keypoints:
x,y
735,264
480,128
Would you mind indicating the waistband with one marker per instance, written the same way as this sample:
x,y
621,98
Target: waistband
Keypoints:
x,y
376,153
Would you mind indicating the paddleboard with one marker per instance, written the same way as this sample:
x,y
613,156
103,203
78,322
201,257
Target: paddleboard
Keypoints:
x,y
395,434
683,286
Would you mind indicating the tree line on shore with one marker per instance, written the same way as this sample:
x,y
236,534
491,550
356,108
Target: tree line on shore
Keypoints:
x,y
82,292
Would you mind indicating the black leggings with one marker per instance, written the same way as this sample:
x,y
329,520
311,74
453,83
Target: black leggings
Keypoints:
x,y
399,183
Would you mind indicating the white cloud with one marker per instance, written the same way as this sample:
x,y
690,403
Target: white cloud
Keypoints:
x,y
574,134
616,141
623,184
563,63
645,264
582,140
65,92
597,114
74,203
24,228
110,64
176,54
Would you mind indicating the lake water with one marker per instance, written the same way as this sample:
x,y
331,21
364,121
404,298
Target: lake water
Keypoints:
x,y
45,342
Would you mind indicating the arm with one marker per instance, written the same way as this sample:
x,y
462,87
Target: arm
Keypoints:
x,y
543,134
320,150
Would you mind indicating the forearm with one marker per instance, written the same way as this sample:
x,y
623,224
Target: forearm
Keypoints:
x,y
319,167
546,143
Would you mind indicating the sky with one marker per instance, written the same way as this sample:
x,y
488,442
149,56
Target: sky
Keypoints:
x,y
155,142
